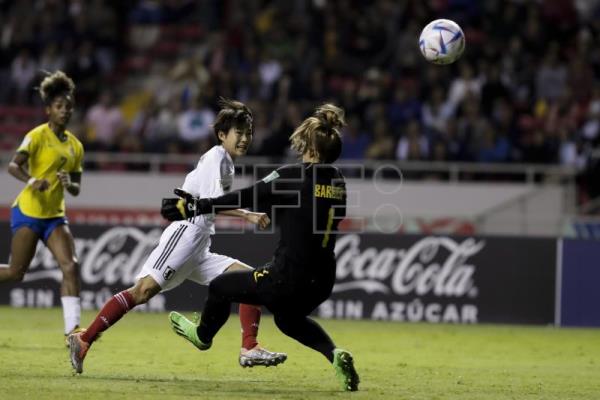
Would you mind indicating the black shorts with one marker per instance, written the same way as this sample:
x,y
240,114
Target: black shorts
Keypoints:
x,y
285,287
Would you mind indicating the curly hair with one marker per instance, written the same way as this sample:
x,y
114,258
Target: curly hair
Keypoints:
x,y
54,85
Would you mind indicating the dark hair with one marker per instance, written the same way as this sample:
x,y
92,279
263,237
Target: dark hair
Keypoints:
x,y
319,134
54,85
233,114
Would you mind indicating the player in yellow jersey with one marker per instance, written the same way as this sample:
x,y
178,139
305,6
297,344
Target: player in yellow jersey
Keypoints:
x,y
49,160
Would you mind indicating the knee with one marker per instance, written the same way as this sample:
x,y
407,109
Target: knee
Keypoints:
x,y
143,291
215,289
17,274
140,295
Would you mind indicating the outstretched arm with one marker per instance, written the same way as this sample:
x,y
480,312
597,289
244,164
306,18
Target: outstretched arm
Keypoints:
x,y
251,197
262,220
188,206
258,196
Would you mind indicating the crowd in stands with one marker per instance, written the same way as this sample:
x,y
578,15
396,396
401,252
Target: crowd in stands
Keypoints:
x,y
149,74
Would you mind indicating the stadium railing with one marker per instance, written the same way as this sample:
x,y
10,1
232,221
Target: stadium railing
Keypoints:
x,y
387,169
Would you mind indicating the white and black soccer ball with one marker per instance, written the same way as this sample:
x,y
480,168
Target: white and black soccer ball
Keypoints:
x,y
442,41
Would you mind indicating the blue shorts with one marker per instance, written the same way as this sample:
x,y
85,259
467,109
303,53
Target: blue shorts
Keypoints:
x,y
42,226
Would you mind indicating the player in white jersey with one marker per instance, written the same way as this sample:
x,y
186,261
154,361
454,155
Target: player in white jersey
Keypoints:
x,y
183,251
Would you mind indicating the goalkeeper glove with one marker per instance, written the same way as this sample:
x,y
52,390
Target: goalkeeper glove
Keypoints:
x,y
179,208
184,207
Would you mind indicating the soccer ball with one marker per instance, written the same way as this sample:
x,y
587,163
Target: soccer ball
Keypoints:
x,y
442,41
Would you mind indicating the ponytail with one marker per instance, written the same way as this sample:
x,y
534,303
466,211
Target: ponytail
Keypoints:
x,y
319,135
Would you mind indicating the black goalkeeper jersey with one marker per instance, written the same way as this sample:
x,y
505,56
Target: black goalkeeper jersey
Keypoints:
x,y
306,202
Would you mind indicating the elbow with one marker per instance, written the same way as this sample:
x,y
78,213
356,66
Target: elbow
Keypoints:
x,y
12,168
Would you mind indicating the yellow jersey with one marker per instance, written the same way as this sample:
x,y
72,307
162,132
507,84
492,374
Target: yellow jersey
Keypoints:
x,y
47,156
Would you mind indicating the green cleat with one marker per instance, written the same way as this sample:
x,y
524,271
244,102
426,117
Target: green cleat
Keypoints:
x,y
344,370
186,328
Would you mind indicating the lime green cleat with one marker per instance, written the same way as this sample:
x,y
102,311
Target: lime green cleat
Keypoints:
x,y
186,328
344,370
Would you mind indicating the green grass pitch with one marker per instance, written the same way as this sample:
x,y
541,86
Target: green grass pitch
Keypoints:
x,y
141,358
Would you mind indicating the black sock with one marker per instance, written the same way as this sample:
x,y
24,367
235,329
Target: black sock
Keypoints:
x,y
308,332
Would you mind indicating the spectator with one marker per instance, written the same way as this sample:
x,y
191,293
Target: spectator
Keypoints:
x,y
85,70
146,127
382,145
104,122
494,147
529,73
195,124
404,106
471,126
22,72
437,111
51,59
493,89
355,140
465,85
278,141
413,145
551,77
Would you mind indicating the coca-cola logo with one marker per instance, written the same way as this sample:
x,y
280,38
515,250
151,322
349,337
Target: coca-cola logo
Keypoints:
x,y
115,257
433,265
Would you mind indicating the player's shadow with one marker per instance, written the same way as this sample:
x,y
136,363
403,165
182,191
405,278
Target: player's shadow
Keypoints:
x,y
193,386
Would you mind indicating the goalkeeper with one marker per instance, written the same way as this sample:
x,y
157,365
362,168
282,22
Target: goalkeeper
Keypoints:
x,y
307,200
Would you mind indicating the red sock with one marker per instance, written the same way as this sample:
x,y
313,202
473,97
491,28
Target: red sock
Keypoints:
x,y
113,310
249,319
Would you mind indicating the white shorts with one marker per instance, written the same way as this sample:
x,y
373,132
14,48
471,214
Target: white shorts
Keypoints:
x,y
183,253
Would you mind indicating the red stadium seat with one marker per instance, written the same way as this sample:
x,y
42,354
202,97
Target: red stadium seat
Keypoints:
x,y
15,129
22,113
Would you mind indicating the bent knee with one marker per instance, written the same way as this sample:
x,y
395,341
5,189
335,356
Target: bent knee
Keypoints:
x,y
215,288
144,290
16,273
140,295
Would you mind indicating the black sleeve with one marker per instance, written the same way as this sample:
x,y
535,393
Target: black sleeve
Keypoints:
x,y
281,187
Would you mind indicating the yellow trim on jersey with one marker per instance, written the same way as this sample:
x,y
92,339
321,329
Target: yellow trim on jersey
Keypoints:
x,y
330,216
47,156
259,274
329,192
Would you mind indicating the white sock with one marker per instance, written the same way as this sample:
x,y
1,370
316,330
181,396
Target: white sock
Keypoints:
x,y
71,312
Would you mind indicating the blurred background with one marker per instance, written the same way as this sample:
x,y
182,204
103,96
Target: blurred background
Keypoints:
x,y
506,141
525,96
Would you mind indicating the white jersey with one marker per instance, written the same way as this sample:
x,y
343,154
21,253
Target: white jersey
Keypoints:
x,y
183,252
212,177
